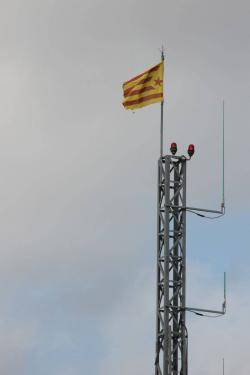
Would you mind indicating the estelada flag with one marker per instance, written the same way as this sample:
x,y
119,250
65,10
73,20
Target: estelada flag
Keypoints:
x,y
144,89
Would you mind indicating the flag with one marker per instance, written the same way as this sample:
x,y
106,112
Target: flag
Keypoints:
x,y
144,89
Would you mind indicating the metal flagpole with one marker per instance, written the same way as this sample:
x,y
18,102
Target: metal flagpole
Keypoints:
x,y
162,105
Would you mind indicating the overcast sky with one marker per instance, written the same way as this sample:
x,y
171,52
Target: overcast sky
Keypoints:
x,y
78,181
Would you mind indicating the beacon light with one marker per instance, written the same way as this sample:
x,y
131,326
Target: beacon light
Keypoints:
x,y
190,150
173,148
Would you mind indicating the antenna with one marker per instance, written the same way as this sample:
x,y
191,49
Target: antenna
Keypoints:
x,y
223,157
220,212
224,306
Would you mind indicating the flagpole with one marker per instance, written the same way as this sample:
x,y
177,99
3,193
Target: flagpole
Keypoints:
x,y
162,106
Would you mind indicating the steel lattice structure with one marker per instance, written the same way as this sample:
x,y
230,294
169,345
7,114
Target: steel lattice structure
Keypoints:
x,y
171,332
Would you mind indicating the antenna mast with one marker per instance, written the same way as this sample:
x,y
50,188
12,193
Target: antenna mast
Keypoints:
x,y
171,331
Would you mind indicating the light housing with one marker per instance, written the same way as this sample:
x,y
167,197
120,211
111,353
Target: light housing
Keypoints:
x,y
173,148
191,150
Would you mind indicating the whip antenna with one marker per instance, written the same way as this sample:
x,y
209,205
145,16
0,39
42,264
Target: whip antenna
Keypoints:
x,y
223,158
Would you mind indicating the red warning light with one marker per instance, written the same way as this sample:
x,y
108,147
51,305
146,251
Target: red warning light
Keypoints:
x,y
173,148
190,150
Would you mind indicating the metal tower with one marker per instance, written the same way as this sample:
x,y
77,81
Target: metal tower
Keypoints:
x,y
171,332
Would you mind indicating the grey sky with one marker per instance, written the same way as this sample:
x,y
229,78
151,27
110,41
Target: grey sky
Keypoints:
x,y
78,181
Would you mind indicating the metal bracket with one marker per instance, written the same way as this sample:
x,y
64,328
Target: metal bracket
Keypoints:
x,y
219,312
224,304
221,212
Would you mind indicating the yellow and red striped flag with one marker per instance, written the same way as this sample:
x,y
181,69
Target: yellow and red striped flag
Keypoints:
x,y
144,89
